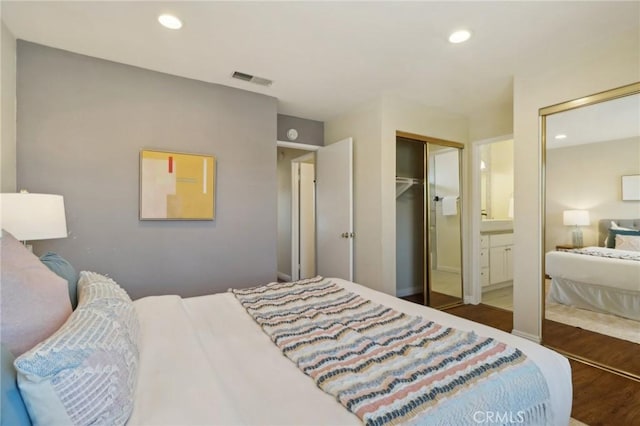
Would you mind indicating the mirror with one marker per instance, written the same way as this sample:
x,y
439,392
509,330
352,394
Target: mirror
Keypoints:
x,y
496,180
591,235
444,218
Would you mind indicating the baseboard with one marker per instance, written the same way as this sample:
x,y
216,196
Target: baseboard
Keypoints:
x,y
410,291
284,277
527,336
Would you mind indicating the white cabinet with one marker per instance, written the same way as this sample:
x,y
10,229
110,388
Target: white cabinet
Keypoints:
x,y
500,258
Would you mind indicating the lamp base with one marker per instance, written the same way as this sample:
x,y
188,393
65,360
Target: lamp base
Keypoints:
x,y
576,237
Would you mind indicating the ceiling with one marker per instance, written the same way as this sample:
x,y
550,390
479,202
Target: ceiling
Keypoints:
x,y
615,119
327,58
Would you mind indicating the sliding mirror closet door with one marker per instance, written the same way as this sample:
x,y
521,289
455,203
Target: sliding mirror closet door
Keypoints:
x,y
444,219
428,220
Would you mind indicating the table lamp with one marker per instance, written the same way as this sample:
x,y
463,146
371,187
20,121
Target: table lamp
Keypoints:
x,y
30,217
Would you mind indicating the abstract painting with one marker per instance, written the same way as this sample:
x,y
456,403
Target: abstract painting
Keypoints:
x,y
177,186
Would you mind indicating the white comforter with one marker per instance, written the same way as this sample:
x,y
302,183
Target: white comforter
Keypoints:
x,y
602,271
204,361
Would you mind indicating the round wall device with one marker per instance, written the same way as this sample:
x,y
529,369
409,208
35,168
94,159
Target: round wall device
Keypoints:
x,y
292,134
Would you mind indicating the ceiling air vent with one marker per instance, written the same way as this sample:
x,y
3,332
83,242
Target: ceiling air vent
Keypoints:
x,y
252,79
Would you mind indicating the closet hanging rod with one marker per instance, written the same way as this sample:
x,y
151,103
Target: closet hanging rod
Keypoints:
x,y
404,183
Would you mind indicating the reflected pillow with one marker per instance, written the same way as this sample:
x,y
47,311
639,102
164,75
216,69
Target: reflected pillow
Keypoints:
x,y
628,242
63,269
611,239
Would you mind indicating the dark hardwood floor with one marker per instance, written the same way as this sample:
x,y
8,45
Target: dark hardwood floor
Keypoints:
x,y
599,397
597,347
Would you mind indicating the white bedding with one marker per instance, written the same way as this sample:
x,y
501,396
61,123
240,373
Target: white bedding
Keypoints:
x,y
604,271
595,283
204,361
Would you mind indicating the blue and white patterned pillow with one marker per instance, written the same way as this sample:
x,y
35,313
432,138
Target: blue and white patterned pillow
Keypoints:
x,y
85,373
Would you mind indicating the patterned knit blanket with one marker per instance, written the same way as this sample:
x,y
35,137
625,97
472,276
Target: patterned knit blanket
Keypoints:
x,y
391,368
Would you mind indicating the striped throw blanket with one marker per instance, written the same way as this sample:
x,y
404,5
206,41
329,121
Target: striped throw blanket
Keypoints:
x,y
391,368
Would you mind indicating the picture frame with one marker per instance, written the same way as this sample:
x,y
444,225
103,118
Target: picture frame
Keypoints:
x,y
631,188
176,186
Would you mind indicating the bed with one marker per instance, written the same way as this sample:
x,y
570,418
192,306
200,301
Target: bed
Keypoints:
x,y
605,278
218,360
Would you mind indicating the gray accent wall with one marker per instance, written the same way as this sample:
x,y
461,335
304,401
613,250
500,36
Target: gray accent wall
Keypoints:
x,y
82,122
310,132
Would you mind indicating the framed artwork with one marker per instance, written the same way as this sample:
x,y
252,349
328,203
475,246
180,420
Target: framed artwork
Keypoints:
x,y
631,188
176,186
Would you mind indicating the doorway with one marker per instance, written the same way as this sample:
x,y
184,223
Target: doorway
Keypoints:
x,y
492,220
315,210
286,193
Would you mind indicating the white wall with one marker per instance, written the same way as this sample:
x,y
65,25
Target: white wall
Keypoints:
x,y
8,110
592,69
587,177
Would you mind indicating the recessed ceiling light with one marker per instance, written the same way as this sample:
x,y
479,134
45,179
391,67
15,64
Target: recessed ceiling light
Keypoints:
x,y
561,136
170,21
459,36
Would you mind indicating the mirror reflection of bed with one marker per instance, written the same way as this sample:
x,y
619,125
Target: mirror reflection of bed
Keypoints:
x,y
592,235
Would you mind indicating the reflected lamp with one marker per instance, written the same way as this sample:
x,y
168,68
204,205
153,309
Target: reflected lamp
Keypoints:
x,y
576,218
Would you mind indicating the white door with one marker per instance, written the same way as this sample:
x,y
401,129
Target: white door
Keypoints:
x,y
334,210
307,221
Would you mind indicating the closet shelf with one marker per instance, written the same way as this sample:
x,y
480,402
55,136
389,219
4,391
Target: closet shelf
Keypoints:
x,y
404,183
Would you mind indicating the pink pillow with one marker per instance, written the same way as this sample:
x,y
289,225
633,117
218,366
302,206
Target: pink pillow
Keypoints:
x,y
35,301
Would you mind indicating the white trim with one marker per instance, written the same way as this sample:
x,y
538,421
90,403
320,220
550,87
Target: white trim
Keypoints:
x,y
532,337
284,277
296,145
468,300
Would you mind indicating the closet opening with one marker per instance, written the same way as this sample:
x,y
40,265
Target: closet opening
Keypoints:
x,y
428,220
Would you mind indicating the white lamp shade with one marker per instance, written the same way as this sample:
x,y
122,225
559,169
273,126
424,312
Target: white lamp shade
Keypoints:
x,y
575,217
30,217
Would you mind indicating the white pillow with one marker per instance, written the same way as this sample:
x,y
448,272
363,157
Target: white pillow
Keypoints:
x,y
628,242
621,228
85,373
